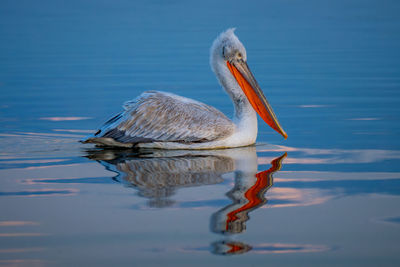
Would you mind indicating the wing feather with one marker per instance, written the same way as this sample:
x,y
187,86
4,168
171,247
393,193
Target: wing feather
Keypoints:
x,y
163,117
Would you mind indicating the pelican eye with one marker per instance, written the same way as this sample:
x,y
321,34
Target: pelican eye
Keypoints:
x,y
239,55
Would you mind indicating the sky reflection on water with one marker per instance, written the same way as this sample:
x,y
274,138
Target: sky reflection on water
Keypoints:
x,y
330,69
163,177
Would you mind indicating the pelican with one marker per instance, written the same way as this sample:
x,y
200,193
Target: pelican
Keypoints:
x,y
164,120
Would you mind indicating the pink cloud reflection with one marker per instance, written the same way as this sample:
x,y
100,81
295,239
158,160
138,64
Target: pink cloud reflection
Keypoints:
x,y
64,118
17,223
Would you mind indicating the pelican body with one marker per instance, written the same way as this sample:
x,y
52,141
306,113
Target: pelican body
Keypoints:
x,y
164,120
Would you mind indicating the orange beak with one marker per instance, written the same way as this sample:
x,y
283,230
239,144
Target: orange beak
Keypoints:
x,y
251,89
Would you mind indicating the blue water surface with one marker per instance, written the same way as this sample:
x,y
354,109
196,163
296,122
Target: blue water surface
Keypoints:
x,y
331,71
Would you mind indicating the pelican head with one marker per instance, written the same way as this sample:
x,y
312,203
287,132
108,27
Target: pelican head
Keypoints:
x,y
229,62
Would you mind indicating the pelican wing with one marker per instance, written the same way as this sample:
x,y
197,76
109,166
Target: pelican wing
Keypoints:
x,y
163,117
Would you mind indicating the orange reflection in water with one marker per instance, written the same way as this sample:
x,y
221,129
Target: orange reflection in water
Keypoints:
x,y
236,247
255,194
246,195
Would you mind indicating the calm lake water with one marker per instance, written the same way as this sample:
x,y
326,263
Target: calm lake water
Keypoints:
x,y
329,195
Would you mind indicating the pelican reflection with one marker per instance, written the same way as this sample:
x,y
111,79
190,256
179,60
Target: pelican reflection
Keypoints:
x,y
157,174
